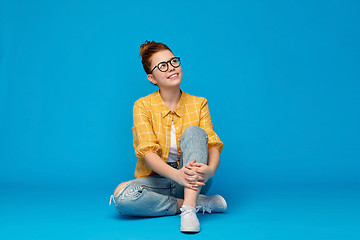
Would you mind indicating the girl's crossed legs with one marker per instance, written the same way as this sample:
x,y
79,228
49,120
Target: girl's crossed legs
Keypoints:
x,y
157,195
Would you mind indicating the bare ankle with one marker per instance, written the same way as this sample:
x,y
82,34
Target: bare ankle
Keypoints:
x,y
180,203
189,203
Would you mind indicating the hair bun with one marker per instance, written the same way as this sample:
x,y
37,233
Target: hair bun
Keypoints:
x,y
144,47
147,50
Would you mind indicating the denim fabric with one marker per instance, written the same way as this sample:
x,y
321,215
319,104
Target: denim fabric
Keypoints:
x,y
156,195
173,164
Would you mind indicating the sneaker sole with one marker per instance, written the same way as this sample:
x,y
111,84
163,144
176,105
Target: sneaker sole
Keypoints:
x,y
190,230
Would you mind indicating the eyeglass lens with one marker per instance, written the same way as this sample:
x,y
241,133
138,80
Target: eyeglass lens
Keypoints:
x,y
163,66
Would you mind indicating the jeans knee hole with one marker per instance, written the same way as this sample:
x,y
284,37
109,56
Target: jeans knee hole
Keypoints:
x,y
122,186
132,192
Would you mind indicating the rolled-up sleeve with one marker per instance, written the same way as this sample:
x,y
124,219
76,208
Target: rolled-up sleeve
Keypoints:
x,y
144,137
206,124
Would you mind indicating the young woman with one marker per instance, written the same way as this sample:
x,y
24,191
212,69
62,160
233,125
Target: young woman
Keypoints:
x,y
177,149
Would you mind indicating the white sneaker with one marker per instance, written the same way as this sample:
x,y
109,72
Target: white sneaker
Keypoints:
x,y
211,204
189,220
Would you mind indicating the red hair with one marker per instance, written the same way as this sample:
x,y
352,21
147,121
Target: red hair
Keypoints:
x,y
147,50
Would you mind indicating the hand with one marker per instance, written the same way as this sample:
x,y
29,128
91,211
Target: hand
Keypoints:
x,y
187,177
201,169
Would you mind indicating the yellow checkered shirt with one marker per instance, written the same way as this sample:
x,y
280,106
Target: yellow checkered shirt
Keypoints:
x,y
152,126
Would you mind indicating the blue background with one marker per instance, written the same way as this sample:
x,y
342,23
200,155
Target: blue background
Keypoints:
x,y
281,79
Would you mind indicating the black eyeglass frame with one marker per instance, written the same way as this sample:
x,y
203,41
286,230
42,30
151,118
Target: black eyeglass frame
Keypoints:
x,y
167,64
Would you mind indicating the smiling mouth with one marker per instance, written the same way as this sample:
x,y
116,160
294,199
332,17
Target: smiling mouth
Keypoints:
x,y
173,75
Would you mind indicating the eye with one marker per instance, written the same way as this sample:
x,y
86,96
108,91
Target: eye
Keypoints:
x,y
174,60
162,66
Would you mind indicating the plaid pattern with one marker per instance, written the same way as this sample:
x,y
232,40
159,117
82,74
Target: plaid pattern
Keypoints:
x,y
152,126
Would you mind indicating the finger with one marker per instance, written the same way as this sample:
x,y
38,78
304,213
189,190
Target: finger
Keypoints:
x,y
193,172
191,179
196,175
200,175
192,186
199,171
194,167
195,164
192,162
188,167
189,172
195,179
198,164
195,185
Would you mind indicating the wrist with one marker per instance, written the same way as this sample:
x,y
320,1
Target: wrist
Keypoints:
x,y
175,176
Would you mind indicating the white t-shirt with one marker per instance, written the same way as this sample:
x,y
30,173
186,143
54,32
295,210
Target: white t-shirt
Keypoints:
x,y
173,155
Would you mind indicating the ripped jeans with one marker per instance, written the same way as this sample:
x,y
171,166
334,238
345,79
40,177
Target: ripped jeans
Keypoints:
x,y
156,195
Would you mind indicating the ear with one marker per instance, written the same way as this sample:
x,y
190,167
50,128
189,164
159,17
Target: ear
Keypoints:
x,y
151,78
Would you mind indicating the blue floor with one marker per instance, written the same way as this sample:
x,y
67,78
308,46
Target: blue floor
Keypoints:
x,y
268,213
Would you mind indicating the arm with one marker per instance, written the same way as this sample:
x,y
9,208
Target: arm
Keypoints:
x,y
147,148
206,124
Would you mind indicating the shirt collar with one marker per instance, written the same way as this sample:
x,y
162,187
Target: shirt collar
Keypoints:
x,y
165,110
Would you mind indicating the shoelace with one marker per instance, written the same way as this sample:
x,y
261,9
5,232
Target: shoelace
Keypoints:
x,y
205,208
186,213
111,198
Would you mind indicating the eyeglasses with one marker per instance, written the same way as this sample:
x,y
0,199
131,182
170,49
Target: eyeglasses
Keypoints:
x,y
164,66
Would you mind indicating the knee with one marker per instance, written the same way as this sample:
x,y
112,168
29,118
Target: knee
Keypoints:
x,y
128,191
120,188
125,196
194,131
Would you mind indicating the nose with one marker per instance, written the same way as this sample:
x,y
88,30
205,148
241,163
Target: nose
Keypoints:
x,y
171,68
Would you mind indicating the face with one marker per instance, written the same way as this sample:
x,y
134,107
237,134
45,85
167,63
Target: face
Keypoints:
x,y
171,78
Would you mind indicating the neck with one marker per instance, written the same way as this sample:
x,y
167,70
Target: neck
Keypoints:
x,y
171,97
